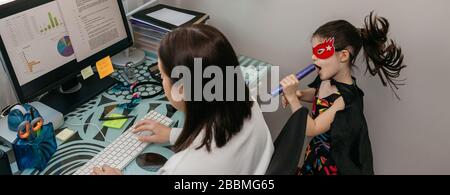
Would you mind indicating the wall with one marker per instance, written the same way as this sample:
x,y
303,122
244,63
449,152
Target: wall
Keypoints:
x,y
7,95
408,136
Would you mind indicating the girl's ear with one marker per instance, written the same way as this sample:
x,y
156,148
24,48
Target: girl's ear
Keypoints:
x,y
344,56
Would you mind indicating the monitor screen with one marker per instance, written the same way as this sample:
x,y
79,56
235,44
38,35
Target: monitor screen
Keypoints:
x,y
45,43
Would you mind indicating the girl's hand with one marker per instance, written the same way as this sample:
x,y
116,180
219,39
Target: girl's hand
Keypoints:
x,y
290,85
161,133
284,101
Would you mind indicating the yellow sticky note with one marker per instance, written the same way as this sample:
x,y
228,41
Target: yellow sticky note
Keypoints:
x,y
105,67
116,124
87,72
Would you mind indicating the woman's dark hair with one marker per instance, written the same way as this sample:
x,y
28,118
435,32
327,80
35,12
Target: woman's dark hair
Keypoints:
x,y
383,57
220,120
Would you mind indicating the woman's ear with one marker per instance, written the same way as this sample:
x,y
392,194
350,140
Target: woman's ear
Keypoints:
x,y
181,89
177,96
177,92
344,56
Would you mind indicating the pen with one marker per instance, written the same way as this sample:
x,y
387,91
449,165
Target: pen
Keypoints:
x,y
115,118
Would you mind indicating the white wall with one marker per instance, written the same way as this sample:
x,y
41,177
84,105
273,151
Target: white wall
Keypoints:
x,y
133,4
408,136
7,95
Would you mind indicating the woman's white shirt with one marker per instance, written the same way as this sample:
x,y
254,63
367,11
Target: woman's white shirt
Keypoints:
x,y
247,153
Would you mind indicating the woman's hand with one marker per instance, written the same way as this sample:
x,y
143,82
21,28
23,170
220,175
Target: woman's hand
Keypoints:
x,y
161,133
106,170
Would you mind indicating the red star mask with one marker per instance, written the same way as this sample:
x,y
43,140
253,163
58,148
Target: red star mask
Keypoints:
x,y
324,50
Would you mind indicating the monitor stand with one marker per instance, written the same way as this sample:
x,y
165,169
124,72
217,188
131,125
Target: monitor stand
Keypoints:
x,y
69,100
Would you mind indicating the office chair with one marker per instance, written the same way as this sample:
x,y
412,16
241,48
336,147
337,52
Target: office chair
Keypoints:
x,y
289,145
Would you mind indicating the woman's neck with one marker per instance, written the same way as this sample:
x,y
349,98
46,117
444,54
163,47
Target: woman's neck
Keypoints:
x,y
344,76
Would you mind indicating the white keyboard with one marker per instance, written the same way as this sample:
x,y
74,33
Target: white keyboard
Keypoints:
x,y
124,149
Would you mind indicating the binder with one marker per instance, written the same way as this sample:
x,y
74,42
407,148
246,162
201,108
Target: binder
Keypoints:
x,y
144,18
149,31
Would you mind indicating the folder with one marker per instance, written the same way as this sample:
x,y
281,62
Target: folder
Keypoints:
x,y
152,24
168,18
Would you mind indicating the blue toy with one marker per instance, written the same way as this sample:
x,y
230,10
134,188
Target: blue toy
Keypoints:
x,y
35,143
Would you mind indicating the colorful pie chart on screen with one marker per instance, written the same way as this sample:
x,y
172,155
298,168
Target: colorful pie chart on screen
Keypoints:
x,y
65,47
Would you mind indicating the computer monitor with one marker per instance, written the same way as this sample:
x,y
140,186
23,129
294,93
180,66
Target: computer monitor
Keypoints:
x,y
46,43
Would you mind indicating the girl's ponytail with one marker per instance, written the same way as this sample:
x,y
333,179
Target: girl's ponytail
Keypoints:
x,y
383,56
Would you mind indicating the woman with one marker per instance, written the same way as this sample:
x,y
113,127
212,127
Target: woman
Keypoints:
x,y
218,137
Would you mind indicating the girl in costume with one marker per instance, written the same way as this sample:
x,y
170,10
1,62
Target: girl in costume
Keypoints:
x,y
340,143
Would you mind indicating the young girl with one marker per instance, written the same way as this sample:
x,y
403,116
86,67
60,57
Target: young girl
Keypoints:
x,y
340,143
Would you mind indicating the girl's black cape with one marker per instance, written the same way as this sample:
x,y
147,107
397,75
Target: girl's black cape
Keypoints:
x,y
350,143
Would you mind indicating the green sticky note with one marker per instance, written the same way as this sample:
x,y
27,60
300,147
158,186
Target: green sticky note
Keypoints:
x,y
116,124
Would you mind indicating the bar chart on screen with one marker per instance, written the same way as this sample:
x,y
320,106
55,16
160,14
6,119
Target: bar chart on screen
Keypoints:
x,y
52,24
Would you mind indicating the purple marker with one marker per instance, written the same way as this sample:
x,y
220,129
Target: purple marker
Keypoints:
x,y
300,75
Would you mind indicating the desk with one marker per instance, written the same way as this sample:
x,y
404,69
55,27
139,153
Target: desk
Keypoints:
x,y
88,141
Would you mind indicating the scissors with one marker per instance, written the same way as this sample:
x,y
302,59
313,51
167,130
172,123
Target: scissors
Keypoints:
x,y
29,130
